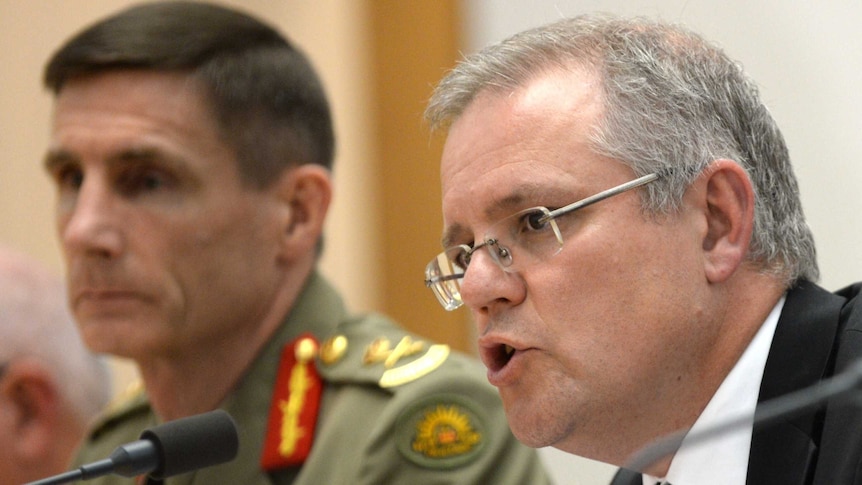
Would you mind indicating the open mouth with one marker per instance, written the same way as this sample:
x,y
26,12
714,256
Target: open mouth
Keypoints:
x,y
497,357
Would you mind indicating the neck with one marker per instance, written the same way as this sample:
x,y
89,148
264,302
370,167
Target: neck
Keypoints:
x,y
195,382
746,304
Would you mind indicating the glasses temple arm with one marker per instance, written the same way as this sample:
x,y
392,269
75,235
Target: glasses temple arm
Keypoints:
x,y
440,279
600,196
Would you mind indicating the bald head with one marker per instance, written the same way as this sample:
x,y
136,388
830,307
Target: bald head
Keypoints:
x,y
51,387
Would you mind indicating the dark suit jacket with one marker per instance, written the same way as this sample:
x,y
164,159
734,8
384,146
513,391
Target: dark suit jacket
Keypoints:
x,y
818,335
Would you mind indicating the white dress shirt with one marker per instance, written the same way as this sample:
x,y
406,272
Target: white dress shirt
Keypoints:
x,y
724,460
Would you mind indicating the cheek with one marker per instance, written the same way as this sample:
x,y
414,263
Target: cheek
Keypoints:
x,y
583,282
193,249
229,253
615,294
220,253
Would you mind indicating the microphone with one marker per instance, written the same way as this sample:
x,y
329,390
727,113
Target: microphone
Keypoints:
x,y
166,450
790,405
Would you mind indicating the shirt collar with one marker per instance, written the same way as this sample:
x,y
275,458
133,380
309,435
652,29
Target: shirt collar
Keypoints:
x,y
725,459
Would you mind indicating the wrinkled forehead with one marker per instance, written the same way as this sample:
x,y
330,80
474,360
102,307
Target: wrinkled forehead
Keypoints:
x,y
522,132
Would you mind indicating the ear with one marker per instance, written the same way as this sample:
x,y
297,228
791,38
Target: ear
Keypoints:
x,y
305,193
29,389
728,206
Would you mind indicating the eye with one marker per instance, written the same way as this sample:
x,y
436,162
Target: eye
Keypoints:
x,y
463,257
532,221
536,221
139,180
69,177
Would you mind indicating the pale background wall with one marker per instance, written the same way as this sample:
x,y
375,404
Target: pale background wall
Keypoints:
x,y
807,58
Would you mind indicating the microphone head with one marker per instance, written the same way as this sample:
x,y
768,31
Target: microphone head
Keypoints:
x,y
193,442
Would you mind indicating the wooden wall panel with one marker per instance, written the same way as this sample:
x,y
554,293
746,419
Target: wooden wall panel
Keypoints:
x,y
413,44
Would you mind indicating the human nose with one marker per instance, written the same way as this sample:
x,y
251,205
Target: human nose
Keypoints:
x,y
486,287
87,221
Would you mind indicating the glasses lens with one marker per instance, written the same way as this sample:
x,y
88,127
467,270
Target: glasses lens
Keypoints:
x,y
524,238
443,275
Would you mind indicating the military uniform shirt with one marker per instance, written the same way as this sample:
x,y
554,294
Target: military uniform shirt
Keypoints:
x,y
429,418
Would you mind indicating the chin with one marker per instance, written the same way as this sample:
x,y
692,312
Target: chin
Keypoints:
x,y
538,419
530,425
532,436
115,338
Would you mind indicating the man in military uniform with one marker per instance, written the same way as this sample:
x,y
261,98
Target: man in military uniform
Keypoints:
x,y
191,150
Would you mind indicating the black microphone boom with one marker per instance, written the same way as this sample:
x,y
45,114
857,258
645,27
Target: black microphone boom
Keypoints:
x,y
166,450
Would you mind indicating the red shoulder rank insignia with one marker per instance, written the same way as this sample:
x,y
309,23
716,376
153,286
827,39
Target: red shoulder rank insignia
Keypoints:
x,y
294,407
443,431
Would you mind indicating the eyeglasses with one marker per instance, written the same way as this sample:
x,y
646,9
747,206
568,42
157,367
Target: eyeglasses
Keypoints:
x,y
533,234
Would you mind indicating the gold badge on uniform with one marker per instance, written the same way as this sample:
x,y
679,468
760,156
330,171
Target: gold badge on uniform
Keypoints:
x,y
431,360
380,350
333,349
442,431
294,408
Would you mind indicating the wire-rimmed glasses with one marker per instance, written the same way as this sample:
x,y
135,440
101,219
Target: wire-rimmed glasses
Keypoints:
x,y
533,235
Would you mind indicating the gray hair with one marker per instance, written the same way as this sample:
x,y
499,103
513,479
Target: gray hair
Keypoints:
x,y
673,104
35,323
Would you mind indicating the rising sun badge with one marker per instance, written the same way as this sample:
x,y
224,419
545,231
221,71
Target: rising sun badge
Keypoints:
x,y
441,432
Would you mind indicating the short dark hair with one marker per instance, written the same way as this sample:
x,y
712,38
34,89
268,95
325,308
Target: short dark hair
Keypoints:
x,y
269,102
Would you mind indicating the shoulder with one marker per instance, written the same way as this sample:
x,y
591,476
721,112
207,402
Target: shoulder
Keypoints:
x,y
850,348
121,422
852,311
372,349
130,405
430,388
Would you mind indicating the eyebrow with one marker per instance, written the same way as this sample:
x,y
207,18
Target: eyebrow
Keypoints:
x,y
450,234
57,158
513,201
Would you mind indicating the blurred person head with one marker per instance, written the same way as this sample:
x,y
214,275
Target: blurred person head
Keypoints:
x,y
51,387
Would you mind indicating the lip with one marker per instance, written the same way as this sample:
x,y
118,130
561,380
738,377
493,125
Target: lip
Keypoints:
x,y
504,365
103,299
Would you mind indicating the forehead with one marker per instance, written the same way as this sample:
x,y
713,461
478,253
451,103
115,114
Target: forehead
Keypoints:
x,y
133,106
508,145
147,91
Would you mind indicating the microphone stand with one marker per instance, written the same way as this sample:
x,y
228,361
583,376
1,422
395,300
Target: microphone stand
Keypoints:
x,y
164,450
130,460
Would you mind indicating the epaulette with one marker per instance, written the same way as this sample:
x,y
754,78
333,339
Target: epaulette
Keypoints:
x,y
372,349
435,428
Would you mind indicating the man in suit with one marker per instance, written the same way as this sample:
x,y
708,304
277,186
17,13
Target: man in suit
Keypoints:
x,y
191,151
622,220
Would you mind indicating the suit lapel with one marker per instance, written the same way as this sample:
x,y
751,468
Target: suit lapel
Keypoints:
x,y
801,355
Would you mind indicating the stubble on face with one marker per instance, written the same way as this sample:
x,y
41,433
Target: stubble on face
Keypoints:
x,y
593,320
